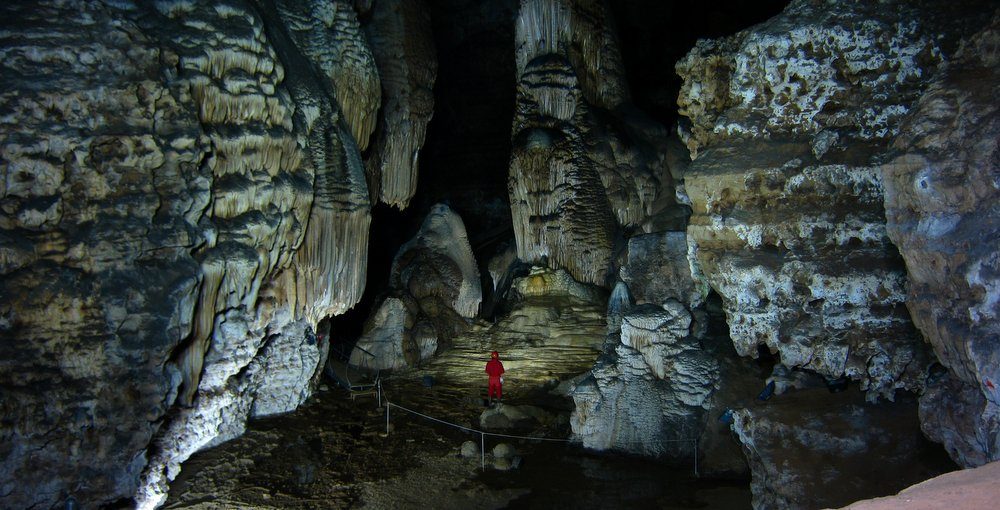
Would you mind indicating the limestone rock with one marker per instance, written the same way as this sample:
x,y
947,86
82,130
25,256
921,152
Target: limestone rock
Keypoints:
x,y
515,417
657,269
820,70
470,449
789,121
91,310
183,202
557,283
436,286
328,34
941,193
798,251
386,342
579,170
662,381
503,450
438,263
810,449
400,35
624,407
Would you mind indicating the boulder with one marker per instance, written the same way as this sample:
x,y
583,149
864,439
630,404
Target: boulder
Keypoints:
x,y
469,449
438,265
656,269
386,342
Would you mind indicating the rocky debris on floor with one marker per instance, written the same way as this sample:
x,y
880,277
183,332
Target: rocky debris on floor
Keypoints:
x,y
525,418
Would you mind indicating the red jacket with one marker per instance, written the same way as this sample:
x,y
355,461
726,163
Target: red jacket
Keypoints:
x,y
494,368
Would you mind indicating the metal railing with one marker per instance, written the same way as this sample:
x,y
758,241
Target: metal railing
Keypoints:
x,y
383,400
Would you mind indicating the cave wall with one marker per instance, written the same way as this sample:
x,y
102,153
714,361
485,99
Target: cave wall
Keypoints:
x,y
788,123
183,199
941,194
839,150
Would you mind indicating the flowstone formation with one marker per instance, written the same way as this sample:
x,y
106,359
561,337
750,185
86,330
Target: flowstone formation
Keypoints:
x,y
400,33
662,380
434,292
941,196
789,122
183,201
585,164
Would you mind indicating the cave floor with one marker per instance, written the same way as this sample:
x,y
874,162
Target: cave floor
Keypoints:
x,y
334,453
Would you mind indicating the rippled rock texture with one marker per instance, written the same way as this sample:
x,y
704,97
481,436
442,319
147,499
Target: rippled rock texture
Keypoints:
x,y
183,199
584,162
789,122
941,196
400,33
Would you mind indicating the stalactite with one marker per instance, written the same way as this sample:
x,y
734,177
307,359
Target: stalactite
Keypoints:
x,y
560,212
580,30
193,356
542,28
399,32
327,32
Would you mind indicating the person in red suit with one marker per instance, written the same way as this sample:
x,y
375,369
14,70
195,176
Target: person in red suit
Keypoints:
x,y
495,369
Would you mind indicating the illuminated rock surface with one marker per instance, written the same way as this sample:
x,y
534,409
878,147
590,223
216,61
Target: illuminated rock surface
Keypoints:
x,y
789,121
436,291
186,192
584,162
399,32
661,382
183,201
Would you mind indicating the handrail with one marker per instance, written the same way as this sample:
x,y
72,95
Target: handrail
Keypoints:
x,y
482,433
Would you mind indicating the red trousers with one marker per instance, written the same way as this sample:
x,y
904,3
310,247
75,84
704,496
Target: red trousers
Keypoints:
x,y
495,387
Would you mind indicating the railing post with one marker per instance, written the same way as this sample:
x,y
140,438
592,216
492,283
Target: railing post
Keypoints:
x,y
387,419
696,458
482,449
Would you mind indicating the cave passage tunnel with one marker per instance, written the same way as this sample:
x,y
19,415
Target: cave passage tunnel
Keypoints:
x,y
730,254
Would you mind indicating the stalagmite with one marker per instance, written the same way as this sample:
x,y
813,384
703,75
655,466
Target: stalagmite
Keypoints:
x,y
399,32
442,236
582,167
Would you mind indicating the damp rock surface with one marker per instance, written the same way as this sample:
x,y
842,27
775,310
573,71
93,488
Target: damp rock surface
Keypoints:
x,y
941,192
306,460
813,449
